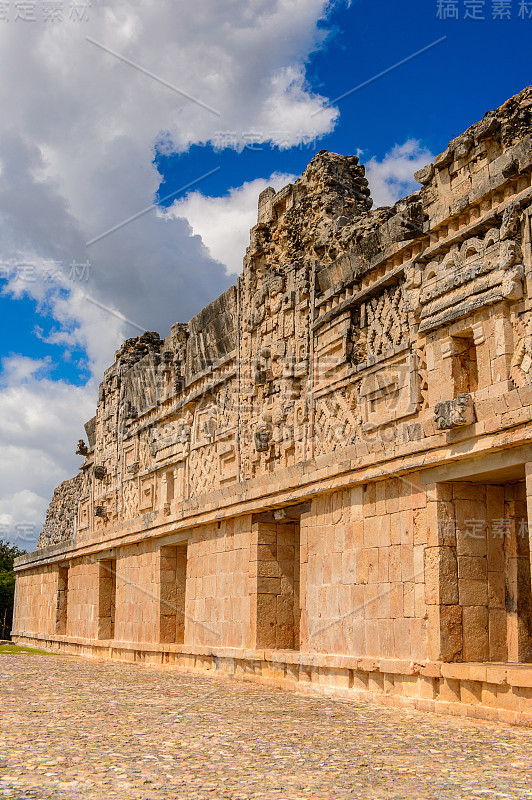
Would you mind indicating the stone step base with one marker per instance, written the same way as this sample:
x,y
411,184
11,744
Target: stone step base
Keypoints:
x,y
493,692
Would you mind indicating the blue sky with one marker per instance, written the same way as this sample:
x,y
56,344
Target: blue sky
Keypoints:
x,y
79,154
432,97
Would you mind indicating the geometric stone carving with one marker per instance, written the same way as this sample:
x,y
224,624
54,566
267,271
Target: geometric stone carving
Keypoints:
x,y
228,464
130,504
329,360
83,514
336,421
203,464
383,324
146,493
390,393
455,413
130,454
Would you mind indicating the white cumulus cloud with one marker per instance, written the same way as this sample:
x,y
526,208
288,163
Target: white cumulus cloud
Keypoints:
x,y
40,424
224,222
393,176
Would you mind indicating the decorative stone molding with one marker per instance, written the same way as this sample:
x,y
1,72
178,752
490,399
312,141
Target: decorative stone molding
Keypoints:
x,y
475,274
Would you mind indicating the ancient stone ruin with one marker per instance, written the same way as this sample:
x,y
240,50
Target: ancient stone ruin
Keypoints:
x,y
321,480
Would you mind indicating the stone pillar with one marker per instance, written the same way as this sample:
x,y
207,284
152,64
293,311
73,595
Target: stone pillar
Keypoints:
x,y
518,571
306,520
497,575
15,610
473,507
528,489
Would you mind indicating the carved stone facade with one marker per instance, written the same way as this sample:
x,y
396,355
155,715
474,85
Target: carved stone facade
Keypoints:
x,y
334,457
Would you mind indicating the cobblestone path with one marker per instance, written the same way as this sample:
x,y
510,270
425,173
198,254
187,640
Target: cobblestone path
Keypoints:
x,y
74,728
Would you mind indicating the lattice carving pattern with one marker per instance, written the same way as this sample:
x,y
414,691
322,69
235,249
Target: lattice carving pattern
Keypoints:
x,y
336,423
387,322
203,470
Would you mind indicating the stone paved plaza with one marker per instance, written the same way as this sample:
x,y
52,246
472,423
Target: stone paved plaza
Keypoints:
x,y
72,728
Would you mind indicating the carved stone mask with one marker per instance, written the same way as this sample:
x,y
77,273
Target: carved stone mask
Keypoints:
x,y
509,254
276,285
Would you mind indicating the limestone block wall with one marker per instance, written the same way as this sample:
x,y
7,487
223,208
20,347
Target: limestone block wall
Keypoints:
x,y
36,600
218,599
362,553
172,593
82,598
137,593
274,571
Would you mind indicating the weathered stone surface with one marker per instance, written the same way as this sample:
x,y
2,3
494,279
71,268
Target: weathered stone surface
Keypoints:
x,y
338,443
61,516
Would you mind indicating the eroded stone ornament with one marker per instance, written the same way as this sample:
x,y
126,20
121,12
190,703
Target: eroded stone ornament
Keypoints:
x,y
262,441
82,449
455,413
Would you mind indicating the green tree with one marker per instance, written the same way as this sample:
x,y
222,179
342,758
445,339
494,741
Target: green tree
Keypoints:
x,y
8,553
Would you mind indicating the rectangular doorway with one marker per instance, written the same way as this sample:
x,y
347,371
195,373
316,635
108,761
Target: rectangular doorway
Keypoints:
x,y
61,611
106,598
275,584
172,587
